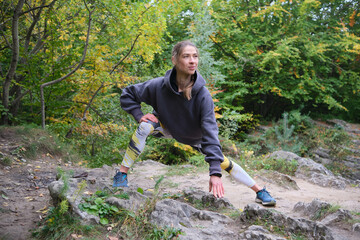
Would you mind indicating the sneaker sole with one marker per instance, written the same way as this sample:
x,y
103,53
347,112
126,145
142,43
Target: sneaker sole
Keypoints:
x,y
265,203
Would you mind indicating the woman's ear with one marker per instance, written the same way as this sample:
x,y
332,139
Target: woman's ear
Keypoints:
x,y
173,60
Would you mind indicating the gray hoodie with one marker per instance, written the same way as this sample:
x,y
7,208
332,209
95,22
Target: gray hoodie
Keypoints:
x,y
190,122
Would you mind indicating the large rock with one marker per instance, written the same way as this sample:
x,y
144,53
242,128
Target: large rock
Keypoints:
x,y
194,223
256,232
311,171
301,226
84,183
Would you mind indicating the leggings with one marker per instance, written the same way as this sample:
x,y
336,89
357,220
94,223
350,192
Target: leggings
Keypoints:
x,y
138,141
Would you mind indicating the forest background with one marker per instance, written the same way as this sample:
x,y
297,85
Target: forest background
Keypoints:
x,y
63,64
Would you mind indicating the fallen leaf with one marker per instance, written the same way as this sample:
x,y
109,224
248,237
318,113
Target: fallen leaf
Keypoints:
x,y
42,210
75,236
113,238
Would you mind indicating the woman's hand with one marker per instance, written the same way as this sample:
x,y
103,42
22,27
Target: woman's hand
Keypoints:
x,y
215,184
150,117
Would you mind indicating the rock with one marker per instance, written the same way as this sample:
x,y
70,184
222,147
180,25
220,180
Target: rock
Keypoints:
x,y
255,232
340,215
311,171
207,199
180,215
135,201
316,208
356,227
311,229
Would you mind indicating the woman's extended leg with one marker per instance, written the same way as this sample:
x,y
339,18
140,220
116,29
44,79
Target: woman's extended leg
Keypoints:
x,y
240,175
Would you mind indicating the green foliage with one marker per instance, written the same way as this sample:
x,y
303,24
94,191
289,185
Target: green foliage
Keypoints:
x,y
5,160
97,206
60,224
279,165
279,55
64,176
165,151
325,210
234,125
198,160
285,138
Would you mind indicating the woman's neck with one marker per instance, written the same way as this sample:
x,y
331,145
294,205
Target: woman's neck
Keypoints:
x,y
183,81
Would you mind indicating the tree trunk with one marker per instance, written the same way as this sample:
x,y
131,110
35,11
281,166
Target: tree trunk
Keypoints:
x,y
14,61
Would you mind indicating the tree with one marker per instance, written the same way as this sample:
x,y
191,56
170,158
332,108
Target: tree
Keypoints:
x,y
281,54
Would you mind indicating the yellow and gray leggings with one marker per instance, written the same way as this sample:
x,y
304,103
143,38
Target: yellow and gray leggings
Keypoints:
x,y
138,141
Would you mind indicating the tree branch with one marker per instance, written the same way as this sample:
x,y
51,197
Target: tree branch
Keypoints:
x,y
222,49
132,47
71,72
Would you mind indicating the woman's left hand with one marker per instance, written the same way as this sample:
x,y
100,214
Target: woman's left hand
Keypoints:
x,y
215,184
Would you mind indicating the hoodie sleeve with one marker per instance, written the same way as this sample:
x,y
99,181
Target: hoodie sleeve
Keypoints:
x,y
210,141
132,96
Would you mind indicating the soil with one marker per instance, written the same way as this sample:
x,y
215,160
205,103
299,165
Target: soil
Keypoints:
x,y
24,196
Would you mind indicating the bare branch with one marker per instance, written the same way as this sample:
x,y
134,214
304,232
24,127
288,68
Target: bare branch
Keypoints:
x,y
40,7
132,47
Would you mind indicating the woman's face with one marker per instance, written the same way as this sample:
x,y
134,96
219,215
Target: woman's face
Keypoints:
x,y
187,61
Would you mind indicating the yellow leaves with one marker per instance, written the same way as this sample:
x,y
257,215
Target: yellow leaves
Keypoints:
x,y
277,91
352,19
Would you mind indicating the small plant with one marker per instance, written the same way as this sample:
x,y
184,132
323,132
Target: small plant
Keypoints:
x,y
324,211
96,205
5,160
60,224
285,138
164,233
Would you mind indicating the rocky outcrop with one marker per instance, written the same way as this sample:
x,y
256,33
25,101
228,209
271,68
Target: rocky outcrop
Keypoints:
x,y
312,171
194,223
334,217
290,225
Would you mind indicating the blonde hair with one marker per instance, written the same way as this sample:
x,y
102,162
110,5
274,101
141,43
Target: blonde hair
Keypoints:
x,y
176,52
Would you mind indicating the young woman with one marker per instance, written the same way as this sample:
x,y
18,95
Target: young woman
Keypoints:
x,y
184,110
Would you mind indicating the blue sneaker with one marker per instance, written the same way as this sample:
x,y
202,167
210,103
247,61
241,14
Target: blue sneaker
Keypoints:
x,y
264,197
120,179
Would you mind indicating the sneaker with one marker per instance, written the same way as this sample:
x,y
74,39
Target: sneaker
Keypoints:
x,y
120,179
264,197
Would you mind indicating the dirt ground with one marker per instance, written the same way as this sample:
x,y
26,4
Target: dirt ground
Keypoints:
x,y
24,197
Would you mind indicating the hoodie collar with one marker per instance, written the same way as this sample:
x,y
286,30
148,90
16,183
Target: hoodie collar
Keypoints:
x,y
170,81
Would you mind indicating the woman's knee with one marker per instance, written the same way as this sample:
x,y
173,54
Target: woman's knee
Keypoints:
x,y
145,128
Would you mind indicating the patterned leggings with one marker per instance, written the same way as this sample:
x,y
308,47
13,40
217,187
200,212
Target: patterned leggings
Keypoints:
x,y
138,141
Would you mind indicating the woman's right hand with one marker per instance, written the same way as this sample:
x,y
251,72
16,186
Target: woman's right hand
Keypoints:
x,y
150,117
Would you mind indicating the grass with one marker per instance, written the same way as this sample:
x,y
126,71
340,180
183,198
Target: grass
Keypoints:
x,y
32,142
324,211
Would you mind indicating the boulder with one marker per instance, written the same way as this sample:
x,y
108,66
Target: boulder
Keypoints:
x,y
311,171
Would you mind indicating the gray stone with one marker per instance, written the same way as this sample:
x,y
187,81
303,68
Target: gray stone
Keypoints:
x,y
255,232
207,199
311,229
356,227
311,171
173,213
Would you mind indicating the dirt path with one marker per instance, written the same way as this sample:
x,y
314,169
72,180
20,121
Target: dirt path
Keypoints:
x,y
239,195
24,197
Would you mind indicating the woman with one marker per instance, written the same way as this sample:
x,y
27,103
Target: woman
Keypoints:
x,y
184,110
